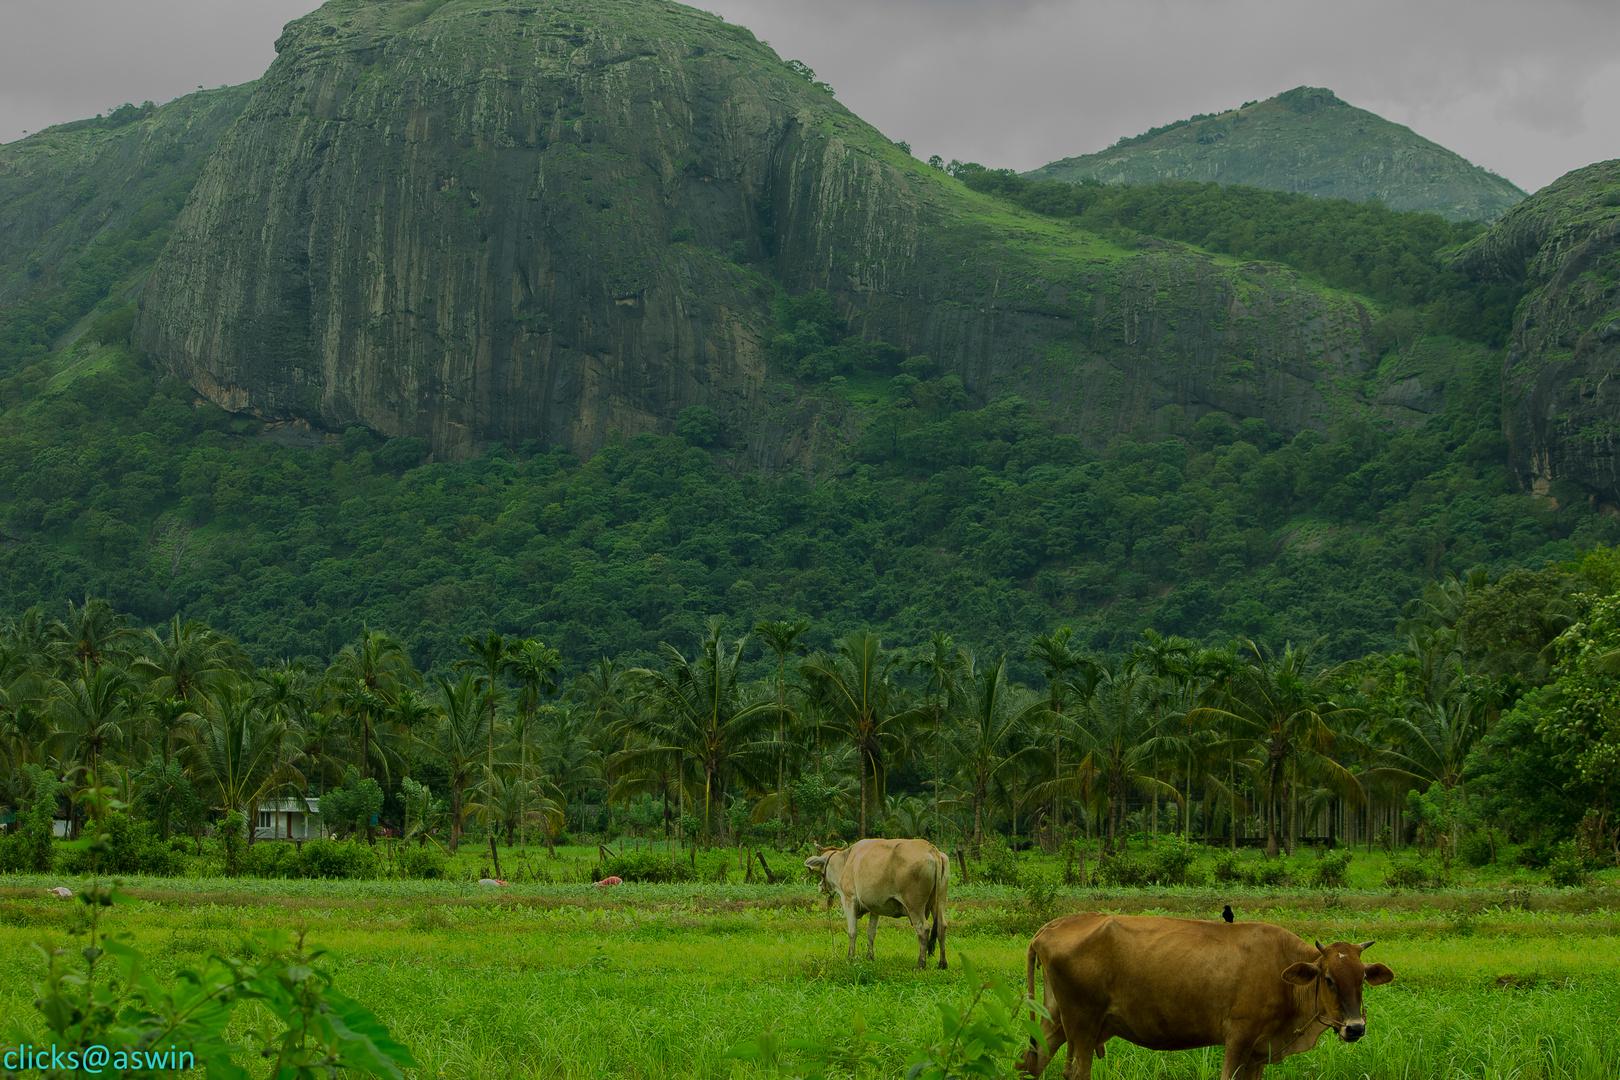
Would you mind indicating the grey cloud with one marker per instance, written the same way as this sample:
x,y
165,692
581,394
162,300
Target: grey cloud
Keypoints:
x,y
1522,89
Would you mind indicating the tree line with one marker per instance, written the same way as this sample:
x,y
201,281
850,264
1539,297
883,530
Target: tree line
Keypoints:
x,y
1492,723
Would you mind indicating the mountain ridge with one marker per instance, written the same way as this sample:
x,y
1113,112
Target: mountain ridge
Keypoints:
x,y
555,223
1306,140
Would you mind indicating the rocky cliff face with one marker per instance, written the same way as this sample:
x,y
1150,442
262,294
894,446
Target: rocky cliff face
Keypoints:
x,y
62,188
1561,400
475,221
1306,140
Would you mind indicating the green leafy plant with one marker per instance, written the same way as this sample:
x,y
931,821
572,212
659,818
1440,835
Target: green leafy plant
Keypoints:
x,y
1566,869
1332,871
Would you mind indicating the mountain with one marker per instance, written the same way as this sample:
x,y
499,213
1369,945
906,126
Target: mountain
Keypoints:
x,y
472,222
1305,140
1561,412
69,186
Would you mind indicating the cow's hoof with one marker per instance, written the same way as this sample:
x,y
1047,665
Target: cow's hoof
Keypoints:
x,y
942,964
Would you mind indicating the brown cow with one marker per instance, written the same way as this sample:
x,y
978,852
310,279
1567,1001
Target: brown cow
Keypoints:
x,y
1179,984
903,879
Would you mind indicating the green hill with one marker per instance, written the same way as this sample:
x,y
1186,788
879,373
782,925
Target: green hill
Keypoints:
x,y
590,322
1305,140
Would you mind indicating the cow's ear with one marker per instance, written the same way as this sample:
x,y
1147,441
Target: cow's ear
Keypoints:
x,y
1301,974
1378,974
815,862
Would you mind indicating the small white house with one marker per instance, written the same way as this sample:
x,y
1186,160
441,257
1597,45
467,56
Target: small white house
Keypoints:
x,y
288,819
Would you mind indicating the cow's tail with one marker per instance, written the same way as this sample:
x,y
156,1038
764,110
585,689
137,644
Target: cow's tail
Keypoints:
x,y
942,877
1031,962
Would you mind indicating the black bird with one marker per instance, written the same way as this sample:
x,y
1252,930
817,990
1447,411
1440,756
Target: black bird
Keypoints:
x,y
1226,912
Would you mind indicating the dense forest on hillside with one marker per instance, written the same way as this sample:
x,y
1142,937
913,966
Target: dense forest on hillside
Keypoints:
x,y
121,484
1391,257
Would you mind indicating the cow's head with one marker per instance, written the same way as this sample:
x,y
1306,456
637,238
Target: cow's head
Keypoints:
x,y
1337,977
825,866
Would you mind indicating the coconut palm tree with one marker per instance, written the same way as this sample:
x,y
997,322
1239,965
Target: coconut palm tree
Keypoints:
x,y
90,710
698,713
187,661
944,669
92,633
983,744
857,700
459,739
240,755
781,637
366,678
1283,714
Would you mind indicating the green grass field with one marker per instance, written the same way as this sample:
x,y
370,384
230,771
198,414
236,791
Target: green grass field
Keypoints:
x,y
659,981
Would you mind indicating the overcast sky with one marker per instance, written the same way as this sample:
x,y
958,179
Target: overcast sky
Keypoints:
x,y
1525,89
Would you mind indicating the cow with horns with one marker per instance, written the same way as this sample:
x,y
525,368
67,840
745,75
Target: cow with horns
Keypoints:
x,y
1254,989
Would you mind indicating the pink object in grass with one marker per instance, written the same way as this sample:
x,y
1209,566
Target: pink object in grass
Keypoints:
x,y
490,881
607,882
61,892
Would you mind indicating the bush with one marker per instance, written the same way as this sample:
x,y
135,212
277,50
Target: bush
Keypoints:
x,y
137,850
1271,874
645,866
1475,848
999,867
272,859
1537,854
1566,869
1123,871
1172,861
421,863
1412,874
339,859
1332,871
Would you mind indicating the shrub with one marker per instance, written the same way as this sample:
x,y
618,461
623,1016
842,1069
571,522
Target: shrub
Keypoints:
x,y
136,850
1272,874
233,842
1172,862
1228,871
272,859
1123,871
1475,848
1332,871
421,863
339,859
645,866
1566,868
1412,874
1000,868
1537,854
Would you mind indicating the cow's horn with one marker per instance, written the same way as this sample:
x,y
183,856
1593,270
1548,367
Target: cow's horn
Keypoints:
x,y
1320,949
1365,945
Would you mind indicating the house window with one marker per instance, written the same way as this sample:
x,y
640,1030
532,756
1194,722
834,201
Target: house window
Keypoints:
x,y
266,819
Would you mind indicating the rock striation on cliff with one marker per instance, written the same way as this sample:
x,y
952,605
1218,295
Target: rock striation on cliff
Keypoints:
x,y
482,221
1308,141
1561,397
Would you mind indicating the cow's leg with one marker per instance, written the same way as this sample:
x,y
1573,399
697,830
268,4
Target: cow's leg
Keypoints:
x,y
920,927
853,920
1241,1062
1084,1036
1055,1033
871,936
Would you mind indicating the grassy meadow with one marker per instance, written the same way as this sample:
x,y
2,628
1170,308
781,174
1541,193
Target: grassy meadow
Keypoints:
x,y
1493,978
